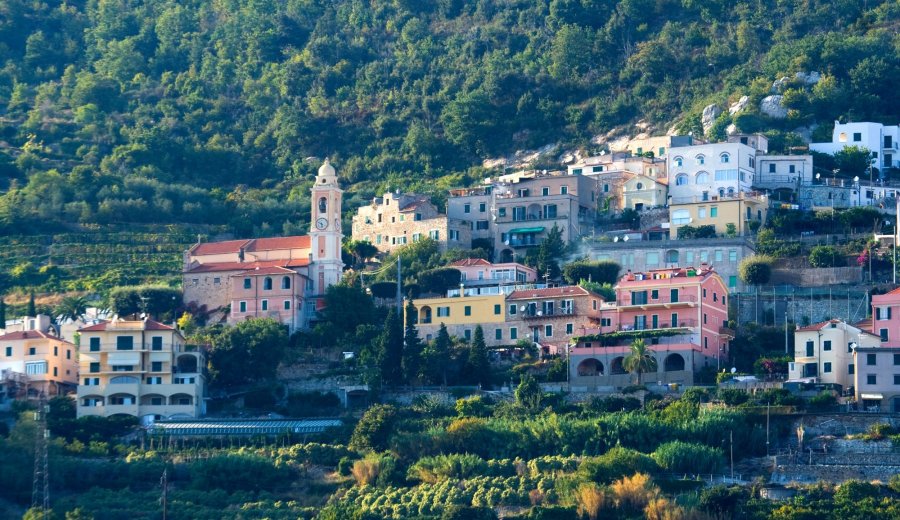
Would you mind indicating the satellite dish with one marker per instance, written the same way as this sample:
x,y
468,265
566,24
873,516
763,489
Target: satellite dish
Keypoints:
x,y
733,370
625,239
522,308
506,242
540,313
616,239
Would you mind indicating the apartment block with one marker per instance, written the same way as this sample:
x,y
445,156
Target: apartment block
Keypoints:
x,y
877,378
33,362
886,317
141,368
725,254
880,140
682,313
742,210
479,272
824,352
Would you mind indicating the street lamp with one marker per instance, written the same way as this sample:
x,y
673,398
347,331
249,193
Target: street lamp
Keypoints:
x,y
858,191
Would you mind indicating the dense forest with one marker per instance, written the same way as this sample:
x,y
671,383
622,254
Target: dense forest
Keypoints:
x,y
218,112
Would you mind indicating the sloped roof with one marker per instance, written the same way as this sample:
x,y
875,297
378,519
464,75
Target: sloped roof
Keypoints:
x,y
148,325
469,262
551,292
817,326
29,334
251,245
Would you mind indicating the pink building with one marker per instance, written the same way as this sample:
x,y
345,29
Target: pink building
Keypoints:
x,y
886,317
268,292
685,308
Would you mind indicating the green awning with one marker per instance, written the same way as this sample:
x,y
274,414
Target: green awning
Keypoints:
x,y
520,231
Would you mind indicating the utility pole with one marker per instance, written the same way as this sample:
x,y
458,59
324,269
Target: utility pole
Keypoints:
x,y
786,330
399,285
164,482
40,485
731,437
767,429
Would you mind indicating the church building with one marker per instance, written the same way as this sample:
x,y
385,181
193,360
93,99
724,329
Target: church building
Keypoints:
x,y
282,278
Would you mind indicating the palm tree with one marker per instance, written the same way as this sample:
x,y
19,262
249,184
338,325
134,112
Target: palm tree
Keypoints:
x,y
640,360
71,308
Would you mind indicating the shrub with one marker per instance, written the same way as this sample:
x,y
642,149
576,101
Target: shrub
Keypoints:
x,y
374,428
823,401
441,467
239,472
755,270
603,271
365,471
685,457
613,404
695,395
616,463
732,396
825,256
345,466
634,493
590,500
474,406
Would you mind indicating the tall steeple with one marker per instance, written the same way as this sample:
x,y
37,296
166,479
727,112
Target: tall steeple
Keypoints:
x,y
325,229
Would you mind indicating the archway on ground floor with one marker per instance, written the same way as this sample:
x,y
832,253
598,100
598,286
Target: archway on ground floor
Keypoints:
x,y
617,366
673,363
590,367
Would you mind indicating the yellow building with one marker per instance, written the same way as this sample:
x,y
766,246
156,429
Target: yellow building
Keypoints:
x,y
141,368
460,314
740,209
38,362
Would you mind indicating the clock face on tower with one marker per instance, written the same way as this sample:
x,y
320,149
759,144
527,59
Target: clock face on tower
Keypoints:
x,y
322,223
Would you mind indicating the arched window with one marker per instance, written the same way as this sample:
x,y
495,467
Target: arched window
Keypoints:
x,y
731,191
286,282
640,186
701,159
679,162
842,137
702,178
267,284
725,158
323,204
759,214
681,180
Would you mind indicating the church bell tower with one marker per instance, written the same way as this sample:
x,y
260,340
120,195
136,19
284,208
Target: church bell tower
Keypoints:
x,y
325,230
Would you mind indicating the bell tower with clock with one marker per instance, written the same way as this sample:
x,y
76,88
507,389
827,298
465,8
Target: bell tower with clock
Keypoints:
x,y
325,230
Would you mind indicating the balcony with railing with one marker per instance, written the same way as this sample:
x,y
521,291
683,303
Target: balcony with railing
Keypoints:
x,y
683,300
750,196
537,313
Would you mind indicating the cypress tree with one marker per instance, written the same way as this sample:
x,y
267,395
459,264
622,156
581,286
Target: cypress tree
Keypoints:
x,y
30,311
2,314
390,346
412,347
478,366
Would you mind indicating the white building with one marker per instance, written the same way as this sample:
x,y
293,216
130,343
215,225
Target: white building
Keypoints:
x,y
879,139
698,173
824,352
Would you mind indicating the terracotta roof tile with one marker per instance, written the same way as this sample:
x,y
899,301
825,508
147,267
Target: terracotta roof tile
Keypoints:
x,y
251,245
247,266
816,326
148,325
468,262
29,334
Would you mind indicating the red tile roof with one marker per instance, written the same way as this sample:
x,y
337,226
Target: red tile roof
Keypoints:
x,y
148,325
895,291
248,266
468,262
262,271
29,334
251,245
816,326
552,292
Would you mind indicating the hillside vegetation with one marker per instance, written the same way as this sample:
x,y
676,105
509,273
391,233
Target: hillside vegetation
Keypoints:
x,y
217,112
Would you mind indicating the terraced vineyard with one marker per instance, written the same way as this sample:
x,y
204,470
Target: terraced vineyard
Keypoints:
x,y
96,260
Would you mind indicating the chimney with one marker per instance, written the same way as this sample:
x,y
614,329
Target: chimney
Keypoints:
x,y
241,255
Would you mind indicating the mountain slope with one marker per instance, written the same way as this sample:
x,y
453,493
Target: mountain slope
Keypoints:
x,y
205,111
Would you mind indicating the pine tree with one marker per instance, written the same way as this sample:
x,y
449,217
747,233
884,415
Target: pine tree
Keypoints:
x,y
478,366
412,347
390,345
30,311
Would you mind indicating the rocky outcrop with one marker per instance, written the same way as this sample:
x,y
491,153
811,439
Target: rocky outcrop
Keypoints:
x,y
772,106
710,113
738,105
809,78
778,84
